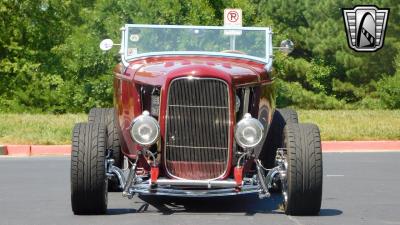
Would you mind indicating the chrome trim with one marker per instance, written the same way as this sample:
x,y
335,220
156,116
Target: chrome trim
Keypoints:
x,y
242,156
122,50
152,156
198,53
229,130
120,175
126,163
247,117
143,189
144,115
182,146
131,178
198,27
276,171
266,181
200,106
246,100
198,183
262,182
268,66
282,162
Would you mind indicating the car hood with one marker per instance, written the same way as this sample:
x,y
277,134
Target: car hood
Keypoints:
x,y
156,70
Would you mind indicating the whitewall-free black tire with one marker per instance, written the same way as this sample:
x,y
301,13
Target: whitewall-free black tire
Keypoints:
x,y
88,169
303,189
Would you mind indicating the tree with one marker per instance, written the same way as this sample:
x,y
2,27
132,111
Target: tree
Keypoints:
x,y
50,61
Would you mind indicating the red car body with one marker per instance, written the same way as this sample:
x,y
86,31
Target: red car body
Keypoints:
x,y
194,119
158,72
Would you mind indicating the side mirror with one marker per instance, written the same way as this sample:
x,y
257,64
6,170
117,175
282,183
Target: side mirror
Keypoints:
x,y
287,46
106,44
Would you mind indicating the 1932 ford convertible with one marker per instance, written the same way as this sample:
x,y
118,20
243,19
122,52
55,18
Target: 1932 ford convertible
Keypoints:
x,y
195,116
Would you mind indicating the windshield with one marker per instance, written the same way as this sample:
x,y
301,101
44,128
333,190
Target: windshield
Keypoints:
x,y
245,42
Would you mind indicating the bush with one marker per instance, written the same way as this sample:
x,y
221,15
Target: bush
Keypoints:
x,y
389,91
50,60
293,94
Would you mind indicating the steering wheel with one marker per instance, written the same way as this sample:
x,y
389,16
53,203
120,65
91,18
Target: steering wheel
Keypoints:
x,y
233,51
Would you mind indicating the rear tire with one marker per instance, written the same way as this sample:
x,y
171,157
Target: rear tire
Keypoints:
x,y
288,115
107,116
303,187
88,169
274,140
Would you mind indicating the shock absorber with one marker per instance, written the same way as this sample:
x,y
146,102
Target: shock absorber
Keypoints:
x,y
131,177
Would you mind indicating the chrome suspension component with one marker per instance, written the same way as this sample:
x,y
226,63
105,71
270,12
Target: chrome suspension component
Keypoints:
x,y
264,193
266,182
115,171
131,178
283,166
243,155
127,182
112,171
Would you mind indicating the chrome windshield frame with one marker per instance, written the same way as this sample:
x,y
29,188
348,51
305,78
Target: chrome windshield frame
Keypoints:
x,y
268,46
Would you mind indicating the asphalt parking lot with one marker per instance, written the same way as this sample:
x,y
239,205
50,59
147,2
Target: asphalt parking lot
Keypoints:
x,y
359,188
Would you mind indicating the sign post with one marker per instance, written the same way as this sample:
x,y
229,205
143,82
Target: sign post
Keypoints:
x,y
232,19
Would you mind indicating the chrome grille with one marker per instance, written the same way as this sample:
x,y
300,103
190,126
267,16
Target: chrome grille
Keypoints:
x,y
197,128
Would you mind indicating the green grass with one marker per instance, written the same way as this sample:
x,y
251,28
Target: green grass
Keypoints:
x,y
349,125
46,129
50,129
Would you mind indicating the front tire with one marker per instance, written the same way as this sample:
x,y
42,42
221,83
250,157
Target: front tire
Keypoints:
x,y
88,169
302,188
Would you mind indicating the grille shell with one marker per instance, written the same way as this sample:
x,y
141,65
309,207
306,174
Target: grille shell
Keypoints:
x,y
197,133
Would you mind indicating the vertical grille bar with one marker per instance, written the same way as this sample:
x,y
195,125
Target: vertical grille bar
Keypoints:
x,y
197,128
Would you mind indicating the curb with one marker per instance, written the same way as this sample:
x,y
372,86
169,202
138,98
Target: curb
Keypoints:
x,y
35,150
360,146
18,150
50,150
327,146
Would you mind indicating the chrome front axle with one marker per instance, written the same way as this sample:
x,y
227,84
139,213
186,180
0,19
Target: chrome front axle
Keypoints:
x,y
261,183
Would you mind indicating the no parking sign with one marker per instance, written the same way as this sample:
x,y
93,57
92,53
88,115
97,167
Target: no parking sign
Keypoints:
x,y
233,18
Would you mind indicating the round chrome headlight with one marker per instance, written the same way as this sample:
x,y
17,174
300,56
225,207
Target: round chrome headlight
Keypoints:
x,y
145,129
249,132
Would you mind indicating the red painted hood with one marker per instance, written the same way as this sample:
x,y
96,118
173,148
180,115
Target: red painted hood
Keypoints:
x,y
155,70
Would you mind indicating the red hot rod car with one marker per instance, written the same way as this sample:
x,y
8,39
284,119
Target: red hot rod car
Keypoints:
x,y
195,116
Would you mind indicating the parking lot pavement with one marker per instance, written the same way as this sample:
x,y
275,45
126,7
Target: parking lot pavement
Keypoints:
x,y
359,188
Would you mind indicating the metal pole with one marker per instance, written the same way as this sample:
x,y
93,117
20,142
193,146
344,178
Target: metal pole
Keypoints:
x,y
232,42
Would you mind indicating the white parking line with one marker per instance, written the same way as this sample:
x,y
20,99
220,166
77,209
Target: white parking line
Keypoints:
x,y
297,222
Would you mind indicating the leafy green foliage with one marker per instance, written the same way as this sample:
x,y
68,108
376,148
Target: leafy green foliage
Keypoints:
x,y
50,60
389,91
